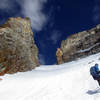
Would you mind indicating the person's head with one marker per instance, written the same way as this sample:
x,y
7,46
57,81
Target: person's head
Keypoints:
x,y
96,65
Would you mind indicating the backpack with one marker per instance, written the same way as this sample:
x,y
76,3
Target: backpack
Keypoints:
x,y
93,72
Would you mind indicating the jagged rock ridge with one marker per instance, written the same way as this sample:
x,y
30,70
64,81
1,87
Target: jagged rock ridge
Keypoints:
x,y
79,45
18,52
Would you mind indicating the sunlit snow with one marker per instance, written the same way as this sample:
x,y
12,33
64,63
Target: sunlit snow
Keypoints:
x,y
69,81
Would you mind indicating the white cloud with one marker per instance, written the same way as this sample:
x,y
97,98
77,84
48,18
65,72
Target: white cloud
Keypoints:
x,y
42,59
29,8
34,10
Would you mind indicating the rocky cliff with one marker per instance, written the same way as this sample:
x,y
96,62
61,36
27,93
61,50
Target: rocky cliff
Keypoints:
x,y
18,52
79,45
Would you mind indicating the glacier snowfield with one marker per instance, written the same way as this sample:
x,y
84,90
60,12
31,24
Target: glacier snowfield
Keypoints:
x,y
69,81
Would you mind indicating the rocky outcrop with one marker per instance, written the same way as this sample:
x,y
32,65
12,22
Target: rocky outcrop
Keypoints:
x,y
59,55
79,45
18,52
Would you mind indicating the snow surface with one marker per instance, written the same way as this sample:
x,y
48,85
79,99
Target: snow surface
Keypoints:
x,y
69,81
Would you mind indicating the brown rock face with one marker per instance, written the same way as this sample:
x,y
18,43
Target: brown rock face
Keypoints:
x,y
18,51
59,55
80,45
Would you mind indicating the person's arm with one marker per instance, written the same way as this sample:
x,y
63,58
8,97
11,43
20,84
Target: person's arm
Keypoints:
x,y
98,70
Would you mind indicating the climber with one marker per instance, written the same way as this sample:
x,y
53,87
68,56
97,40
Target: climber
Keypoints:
x,y
95,72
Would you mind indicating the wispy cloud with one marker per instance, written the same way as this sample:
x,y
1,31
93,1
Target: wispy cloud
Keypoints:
x,y
30,8
55,36
6,4
96,11
34,10
42,59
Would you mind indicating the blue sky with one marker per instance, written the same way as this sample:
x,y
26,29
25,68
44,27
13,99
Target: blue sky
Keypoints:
x,y
53,20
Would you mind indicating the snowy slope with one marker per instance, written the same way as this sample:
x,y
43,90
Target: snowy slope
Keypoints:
x,y
69,81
